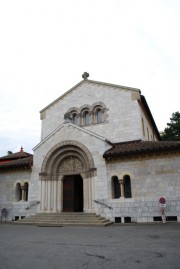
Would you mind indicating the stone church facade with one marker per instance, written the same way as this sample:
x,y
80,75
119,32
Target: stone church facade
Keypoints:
x,y
100,151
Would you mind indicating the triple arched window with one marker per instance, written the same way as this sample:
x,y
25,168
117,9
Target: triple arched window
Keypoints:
x,y
89,115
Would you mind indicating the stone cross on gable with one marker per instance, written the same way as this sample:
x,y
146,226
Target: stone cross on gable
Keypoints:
x,y
85,75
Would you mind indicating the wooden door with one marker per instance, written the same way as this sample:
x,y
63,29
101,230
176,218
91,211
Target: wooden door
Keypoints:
x,y
78,193
68,194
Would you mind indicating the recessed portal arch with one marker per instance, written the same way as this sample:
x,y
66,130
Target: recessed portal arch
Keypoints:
x,y
70,155
72,162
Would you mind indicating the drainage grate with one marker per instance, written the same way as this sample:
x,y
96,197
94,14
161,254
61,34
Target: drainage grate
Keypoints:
x,y
171,218
157,218
168,218
117,219
127,219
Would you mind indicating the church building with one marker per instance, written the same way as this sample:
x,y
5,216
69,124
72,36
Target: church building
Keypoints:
x,y
100,152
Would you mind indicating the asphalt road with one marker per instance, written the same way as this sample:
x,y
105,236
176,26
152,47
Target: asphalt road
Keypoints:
x,y
125,246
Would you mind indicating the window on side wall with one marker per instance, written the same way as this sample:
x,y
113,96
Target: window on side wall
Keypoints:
x,y
18,192
127,186
115,188
26,189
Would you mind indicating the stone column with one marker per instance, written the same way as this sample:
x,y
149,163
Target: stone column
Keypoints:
x,y
94,120
49,195
60,194
22,193
42,194
54,196
93,193
45,194
121,181
90,118
78,119
25,193
85,195
88,196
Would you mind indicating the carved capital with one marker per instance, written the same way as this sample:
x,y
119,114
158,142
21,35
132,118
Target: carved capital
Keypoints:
x,y
121,181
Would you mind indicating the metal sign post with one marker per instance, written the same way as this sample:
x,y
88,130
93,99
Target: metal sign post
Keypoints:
x,y
162,202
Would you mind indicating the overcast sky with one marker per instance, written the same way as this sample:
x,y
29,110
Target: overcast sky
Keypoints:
x,y
46,45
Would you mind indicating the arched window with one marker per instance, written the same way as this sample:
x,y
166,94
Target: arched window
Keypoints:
x,y
75,118
18,192
99,115
26,189
86,118
115,188
127,186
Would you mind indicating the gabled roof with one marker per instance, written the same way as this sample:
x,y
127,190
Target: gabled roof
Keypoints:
x,y
138,147
74,126
17,155
18,163
93,82
142,98
16,160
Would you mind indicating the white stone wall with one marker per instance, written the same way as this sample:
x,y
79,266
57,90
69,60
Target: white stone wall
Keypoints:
x,y
147,131
8,181
123,115
95,145
151,178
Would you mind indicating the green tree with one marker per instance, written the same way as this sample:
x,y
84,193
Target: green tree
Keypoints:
x,y
172,131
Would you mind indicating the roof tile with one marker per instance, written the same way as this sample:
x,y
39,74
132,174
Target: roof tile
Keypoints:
x,y
140,147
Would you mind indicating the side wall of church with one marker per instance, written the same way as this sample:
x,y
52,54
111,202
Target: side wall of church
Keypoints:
x,y
123,119
8,199
151,178
147,131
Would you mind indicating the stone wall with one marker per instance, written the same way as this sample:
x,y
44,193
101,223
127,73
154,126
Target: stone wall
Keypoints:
x,y
75,136
123,113
8,181
151,178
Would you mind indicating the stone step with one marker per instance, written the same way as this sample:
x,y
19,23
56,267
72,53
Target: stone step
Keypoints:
x,y
64,223
64,219
67,214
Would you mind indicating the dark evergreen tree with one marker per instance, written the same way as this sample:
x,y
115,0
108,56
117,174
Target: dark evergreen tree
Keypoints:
x,y
172,131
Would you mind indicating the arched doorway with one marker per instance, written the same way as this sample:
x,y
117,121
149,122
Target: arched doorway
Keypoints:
x,y
67,179
73,193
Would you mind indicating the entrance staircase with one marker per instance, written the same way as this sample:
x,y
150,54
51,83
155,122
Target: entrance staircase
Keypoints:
x,y
65,219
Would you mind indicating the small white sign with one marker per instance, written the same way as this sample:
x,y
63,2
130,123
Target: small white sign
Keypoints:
x,y
162,205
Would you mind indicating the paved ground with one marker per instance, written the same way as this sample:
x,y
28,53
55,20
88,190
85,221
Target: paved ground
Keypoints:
x,y
127,246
